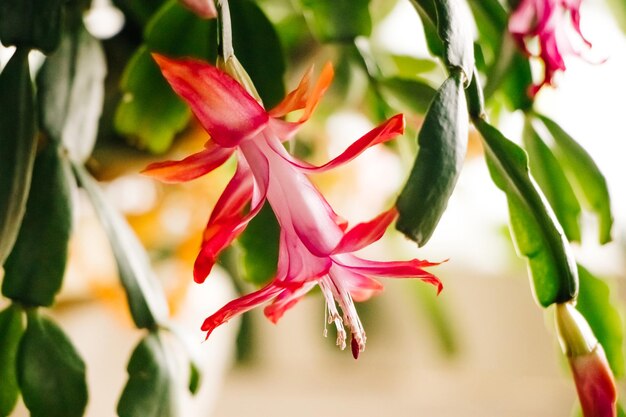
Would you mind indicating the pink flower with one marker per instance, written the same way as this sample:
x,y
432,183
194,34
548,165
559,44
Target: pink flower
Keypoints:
x,y
315,245
548,21
593,377
203,8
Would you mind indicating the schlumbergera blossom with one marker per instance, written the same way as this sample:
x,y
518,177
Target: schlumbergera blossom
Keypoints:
x,y
556,25
315,244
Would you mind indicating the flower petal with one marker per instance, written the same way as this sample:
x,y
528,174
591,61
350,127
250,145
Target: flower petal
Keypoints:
x,y
382,133
364,234
221,104
285,300
359,286
191,167
203,8
228,220
393,269
240,306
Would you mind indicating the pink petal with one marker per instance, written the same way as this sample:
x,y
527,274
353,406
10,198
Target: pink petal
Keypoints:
x,y
203,8
382,133
191,167
393,269
221,104
228,220
285,300
361,287
364,234
239,306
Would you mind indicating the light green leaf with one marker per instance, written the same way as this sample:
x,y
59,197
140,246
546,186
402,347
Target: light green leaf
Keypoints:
x,y
545,168
409,66
587,177
18,143
50,372
337,20
11,330
603,315
34,270
259,244
146,300
412,95
149,391
71,92
443,143
536,232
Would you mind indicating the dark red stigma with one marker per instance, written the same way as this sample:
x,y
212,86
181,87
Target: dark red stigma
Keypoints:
x,y
355,348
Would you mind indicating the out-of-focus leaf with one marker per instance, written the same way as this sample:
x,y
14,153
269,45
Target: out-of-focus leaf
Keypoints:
x,y
428,15
259,50
18,142
587,176
453,26
408,94
603,315
516,77
491,21
11,329
259,243
31,24
34,270
50,372
150,113
140,11
618,12
194,377
146,300
409,66
536,231
149,391
71,92
545,168
443,142
337,20
438,313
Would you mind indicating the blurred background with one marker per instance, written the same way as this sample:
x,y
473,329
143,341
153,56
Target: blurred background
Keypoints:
x,y
482,348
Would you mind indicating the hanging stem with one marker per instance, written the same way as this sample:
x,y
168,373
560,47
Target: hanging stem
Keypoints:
x,y
225,38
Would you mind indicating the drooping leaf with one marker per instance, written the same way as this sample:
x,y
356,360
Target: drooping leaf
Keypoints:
x,y
31,24
407,94
259,50
18,142
11,329
443,143
50,372
150,113
71,92
146,300
545,168
337,20
34,270
586,175
149,391
602,312
536,232
259,243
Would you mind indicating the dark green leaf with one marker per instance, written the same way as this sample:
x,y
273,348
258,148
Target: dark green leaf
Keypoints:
x,y
149,391
31,24
428,15
11,330
603,315
71,92
536,232
337,20
259,50
491,21
516,77
50,372
18,142
454,28
443,142
545,168
195,377
586,175
34,270
146,300
150,113
139,10
260,247
413,95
